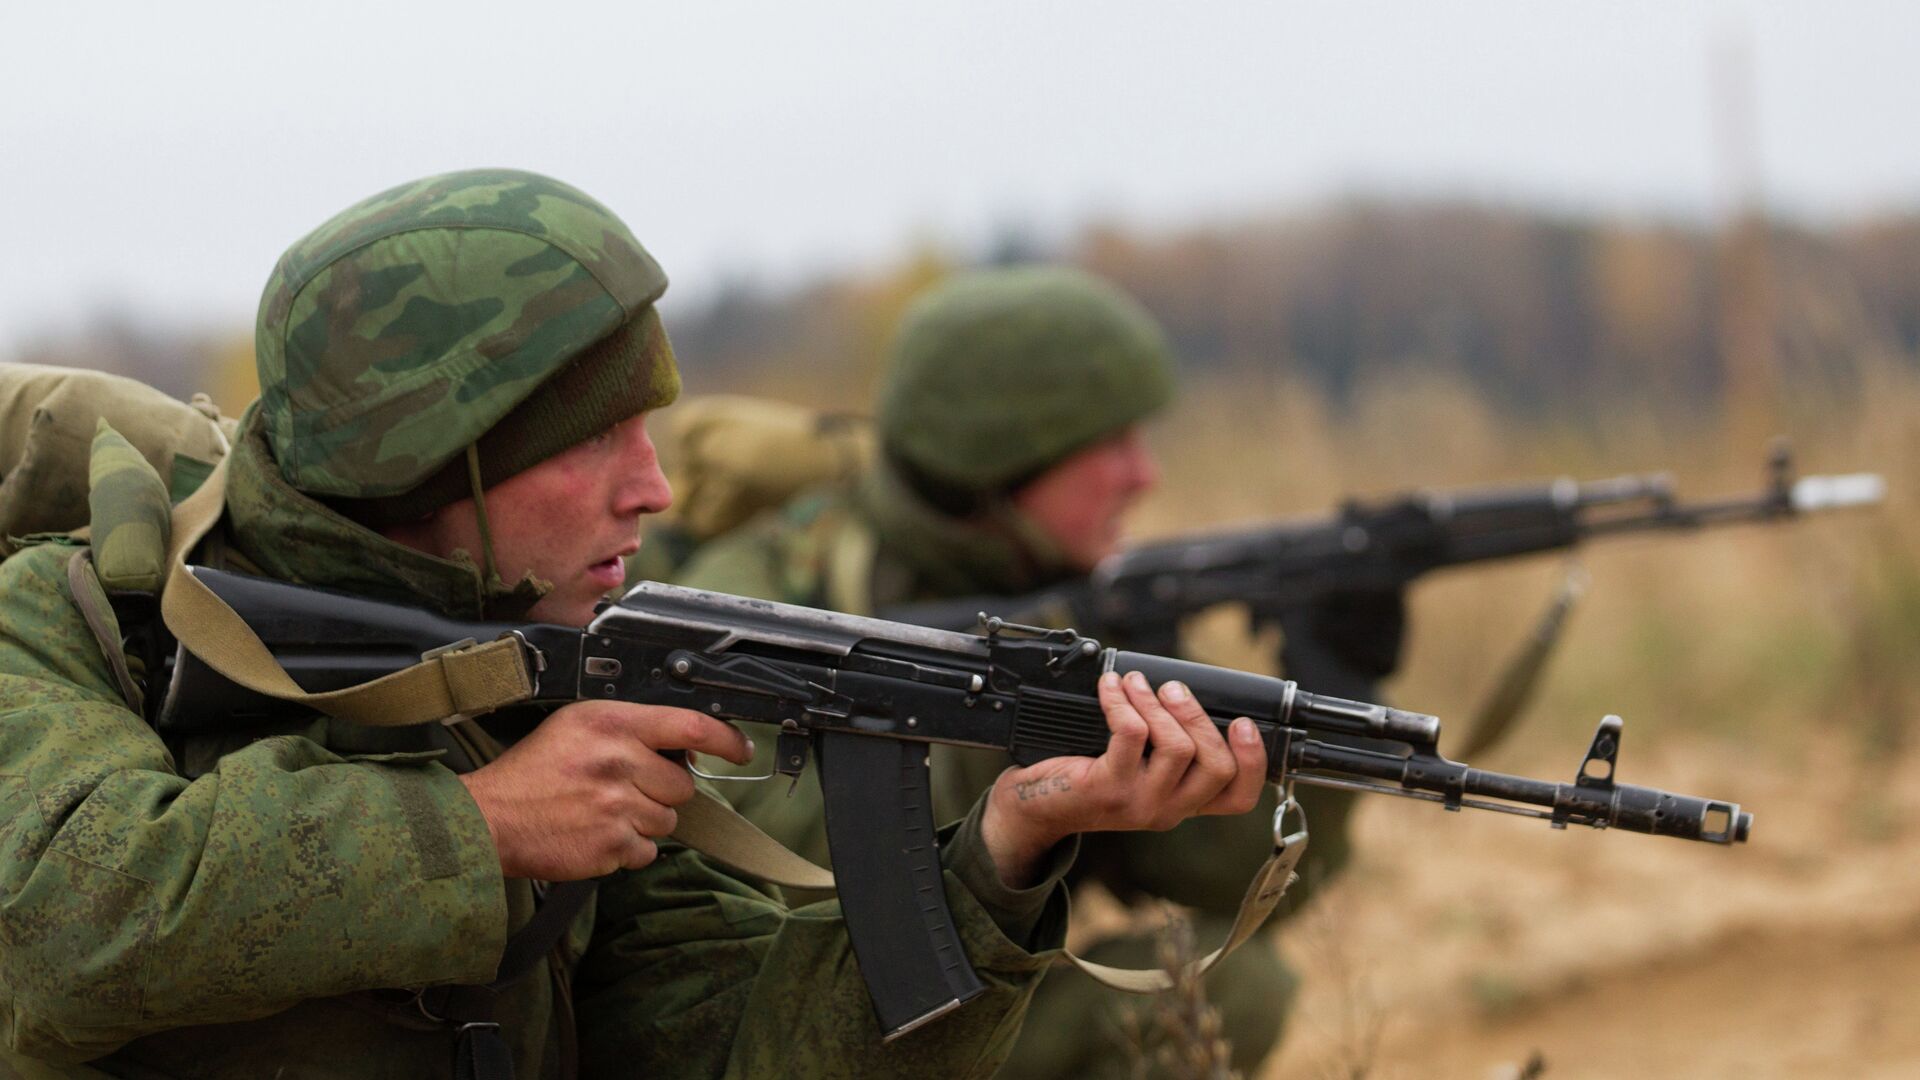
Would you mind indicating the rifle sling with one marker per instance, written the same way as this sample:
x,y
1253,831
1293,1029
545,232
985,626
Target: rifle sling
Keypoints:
x,y
467,681
493,675
1269,884
462,682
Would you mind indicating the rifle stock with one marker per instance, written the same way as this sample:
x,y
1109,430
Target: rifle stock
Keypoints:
x,y
863,697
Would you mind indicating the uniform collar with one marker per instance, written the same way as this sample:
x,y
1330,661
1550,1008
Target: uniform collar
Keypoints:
x,y
999,550
291,536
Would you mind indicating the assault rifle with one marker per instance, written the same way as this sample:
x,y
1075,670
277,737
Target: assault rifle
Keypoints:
x,y
1138,596
861,698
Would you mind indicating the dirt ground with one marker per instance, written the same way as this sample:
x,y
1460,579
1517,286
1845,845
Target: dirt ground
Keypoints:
x,y
1752,1006
1625,956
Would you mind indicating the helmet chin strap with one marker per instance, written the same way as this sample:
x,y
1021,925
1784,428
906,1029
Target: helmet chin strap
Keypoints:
x,y
487,566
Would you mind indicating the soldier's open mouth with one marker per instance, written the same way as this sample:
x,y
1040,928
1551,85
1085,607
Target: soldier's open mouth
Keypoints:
x,y
609,573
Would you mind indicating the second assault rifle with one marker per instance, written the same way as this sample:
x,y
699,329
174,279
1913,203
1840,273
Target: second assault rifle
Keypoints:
x,y
861,698
1139,595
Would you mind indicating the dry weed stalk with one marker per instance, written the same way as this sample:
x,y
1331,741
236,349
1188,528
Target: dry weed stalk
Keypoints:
x,y
1357,1019
1177,1035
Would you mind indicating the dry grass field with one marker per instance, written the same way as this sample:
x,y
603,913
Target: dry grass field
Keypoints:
x,y
1776,666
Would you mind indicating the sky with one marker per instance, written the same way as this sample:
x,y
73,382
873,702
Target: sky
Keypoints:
x,y
157,158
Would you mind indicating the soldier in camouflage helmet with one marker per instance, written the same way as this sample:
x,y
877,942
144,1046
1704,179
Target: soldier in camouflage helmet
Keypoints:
x,y
1009,422
457,375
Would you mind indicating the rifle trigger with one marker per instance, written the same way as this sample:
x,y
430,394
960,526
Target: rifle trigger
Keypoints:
x,y
693,766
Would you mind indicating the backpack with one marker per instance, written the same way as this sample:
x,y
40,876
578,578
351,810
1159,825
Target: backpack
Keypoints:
x,y
88,455
48,419
731,457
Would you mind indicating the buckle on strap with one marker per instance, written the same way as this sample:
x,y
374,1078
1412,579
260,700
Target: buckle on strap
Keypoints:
x,y
472,1025
439,651
1282,839
481,677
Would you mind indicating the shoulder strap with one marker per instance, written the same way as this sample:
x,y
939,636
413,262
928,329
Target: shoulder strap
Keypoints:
x,y
98,612
466,681
847,564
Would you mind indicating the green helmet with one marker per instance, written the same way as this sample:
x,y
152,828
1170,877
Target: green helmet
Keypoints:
x,y
414,323
996,375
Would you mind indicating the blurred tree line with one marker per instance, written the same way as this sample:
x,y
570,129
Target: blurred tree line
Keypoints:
x,y
1554,318
1547,316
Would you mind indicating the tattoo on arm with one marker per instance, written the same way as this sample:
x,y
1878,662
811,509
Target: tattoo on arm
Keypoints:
x,y
1046,785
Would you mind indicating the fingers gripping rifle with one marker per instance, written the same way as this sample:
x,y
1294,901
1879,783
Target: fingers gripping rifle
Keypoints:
x,y
862,698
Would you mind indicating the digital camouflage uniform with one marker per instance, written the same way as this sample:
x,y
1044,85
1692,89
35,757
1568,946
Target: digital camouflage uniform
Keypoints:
x,y
264,903
995,376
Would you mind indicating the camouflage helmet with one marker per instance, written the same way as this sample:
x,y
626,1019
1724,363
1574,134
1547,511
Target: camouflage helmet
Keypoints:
x,y
414,323
997,374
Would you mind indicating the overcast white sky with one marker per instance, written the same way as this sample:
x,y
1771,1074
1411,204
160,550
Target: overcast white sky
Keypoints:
x,y
156,158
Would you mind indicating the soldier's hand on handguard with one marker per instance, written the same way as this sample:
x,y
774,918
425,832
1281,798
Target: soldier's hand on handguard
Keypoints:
x,y
593,789
1192,770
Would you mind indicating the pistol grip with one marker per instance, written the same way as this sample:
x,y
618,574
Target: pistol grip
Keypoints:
x,y
880,833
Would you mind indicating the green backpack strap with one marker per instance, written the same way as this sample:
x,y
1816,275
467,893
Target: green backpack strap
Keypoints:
x,y
130,516
98,611
116,581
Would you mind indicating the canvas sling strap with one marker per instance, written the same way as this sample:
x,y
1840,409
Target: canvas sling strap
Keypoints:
x,y
1269,884
468,682
484,677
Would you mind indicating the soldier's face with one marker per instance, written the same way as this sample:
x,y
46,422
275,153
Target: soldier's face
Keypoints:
x,y
1081,501
570,520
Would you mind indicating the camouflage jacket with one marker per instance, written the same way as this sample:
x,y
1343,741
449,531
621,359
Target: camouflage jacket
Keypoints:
x,y
267,904
873,544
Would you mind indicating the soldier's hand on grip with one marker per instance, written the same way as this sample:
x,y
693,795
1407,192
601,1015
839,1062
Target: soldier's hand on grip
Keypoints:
x,y
593,788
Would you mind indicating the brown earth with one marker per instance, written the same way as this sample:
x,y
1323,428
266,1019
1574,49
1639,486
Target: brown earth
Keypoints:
x,y
1624,956
1752,1006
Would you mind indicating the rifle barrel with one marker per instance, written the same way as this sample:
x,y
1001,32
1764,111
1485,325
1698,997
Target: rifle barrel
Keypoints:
x,y
1814,493
1598,803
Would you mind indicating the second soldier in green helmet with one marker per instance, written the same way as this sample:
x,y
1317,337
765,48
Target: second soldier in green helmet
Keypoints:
x,y
1010,428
